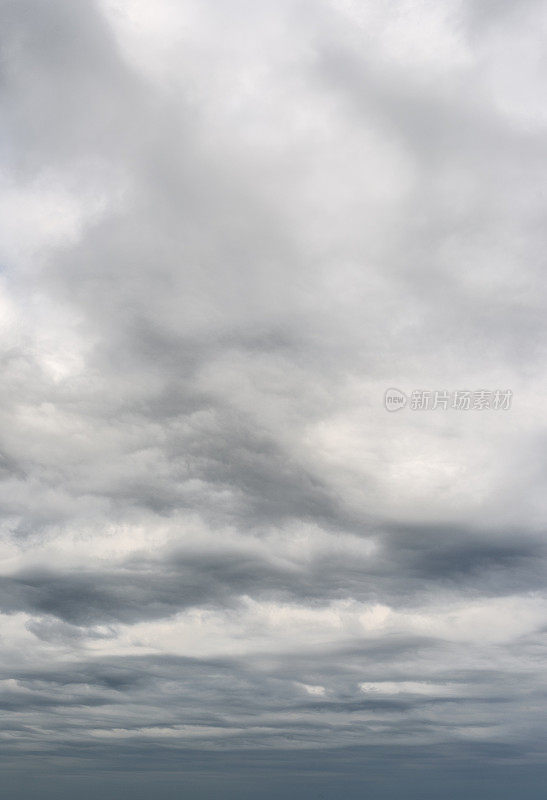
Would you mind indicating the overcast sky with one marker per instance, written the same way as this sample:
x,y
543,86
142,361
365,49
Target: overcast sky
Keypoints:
x,y
226,570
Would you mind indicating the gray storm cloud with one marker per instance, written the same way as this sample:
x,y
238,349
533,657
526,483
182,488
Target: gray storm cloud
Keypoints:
x,y
226,229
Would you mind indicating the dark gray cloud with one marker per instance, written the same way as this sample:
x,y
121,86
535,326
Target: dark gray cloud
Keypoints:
x,y
407,566
225,231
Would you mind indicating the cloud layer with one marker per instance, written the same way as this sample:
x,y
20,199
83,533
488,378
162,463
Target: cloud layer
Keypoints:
x,y
226,230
